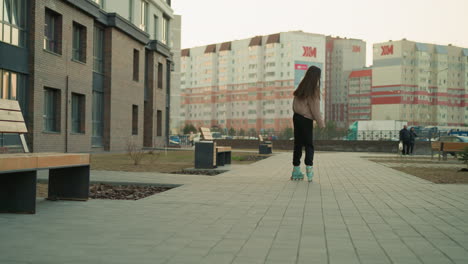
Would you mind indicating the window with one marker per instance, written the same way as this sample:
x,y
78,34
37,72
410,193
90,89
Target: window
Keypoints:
x,y
78,113
156,24
13,87
134,119
136,64
165,30
79,42
144,15
130,10
13,22
159,123
53,31
51,110
160,75
98,50
97,118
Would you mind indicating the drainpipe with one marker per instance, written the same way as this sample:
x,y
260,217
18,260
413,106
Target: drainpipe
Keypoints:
x,y
66,112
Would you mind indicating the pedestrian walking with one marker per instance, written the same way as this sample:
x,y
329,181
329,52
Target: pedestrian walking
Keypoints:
x,y
191,138
413,137
405,138
306,108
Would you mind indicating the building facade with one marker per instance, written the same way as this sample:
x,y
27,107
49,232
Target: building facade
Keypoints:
x,y
176,120
90,80
248,84
425,84
343,56
359,95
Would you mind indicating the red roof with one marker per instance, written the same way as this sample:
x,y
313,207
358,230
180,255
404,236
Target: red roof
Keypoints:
x,y
360,73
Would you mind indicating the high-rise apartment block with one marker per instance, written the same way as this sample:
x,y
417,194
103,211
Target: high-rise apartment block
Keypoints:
x,y
424,84
343,56
89,75
359,95
248,84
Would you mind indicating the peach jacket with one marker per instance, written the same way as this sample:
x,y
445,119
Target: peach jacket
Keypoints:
x,y
308,108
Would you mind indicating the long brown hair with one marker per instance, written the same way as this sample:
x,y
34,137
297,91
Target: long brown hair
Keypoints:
x,y
310,84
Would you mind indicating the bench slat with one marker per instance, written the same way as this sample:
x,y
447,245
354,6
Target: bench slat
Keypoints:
x,y
10,115
223,149
9,105
12,127
206,133
12,162
454,146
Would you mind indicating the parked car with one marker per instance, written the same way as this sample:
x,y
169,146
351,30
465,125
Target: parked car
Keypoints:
x,y
174,141
453,139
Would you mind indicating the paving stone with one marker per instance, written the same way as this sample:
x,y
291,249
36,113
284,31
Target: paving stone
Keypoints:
x,y
355,211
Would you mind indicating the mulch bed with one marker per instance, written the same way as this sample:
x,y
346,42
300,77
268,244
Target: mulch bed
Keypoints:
x,y
114,192
437,175
199,172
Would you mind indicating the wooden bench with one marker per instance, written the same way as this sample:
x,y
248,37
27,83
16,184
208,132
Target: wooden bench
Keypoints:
x,y
68,173
207,154
264,147
436,147
444,148
452,147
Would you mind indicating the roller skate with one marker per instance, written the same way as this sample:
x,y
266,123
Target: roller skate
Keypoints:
x,y
297,175
309,173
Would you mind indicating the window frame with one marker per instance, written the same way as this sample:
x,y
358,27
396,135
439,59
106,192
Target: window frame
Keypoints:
x,y
98,49
53,42
134,120
160,78
165,30
136,65
78,113
79,37
52,114
159,123
14,20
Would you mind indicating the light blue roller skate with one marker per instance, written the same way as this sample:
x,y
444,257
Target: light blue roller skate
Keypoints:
x,y
309,173
297,175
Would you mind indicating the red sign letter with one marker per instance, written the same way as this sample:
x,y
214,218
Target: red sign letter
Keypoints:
x,y
310,52
387,50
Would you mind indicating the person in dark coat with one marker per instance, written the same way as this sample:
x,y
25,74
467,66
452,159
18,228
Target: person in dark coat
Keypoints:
x,y
405,137
413,137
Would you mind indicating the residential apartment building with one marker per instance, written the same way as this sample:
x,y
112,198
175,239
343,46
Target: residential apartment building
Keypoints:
x,y
425,84
87,79
343,56
248,84
359,96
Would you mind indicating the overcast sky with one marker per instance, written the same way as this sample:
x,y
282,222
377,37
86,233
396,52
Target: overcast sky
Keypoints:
x,y
431,21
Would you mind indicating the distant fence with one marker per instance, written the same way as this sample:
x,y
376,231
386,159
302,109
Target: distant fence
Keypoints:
x,y
323,134
421,148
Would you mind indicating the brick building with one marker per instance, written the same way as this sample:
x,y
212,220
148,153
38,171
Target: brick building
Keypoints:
x,y
86,79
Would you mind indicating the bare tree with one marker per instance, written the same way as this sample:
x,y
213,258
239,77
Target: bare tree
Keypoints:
x,y
135,153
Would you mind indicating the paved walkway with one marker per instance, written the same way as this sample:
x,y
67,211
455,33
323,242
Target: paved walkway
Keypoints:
x,y
355,211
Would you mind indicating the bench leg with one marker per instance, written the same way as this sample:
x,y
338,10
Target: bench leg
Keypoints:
x,y
18,192
221,159
69,183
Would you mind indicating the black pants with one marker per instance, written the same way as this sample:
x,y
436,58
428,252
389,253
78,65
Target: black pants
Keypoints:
x,y
406,147
411,147
303,138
